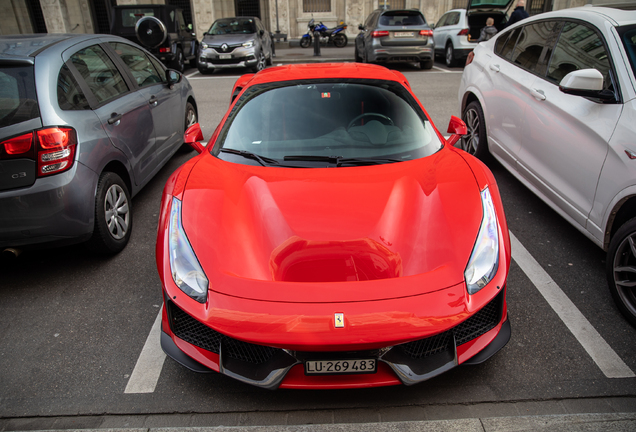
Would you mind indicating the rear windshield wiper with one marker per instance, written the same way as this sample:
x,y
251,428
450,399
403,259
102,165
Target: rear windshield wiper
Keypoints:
x,y
263,160
340,161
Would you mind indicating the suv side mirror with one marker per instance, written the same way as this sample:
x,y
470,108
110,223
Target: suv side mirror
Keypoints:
x,y
261,32
173,77
190,27
361,27
586,83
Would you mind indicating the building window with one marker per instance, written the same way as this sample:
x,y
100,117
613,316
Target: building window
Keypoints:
x,y
395,4
310,6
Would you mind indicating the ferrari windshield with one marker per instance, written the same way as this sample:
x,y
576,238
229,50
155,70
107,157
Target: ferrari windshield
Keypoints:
x,y
339,124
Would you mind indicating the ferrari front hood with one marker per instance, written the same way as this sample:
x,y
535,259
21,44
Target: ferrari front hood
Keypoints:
x,y
333,234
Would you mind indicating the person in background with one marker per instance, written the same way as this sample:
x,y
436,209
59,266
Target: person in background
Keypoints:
x,y
487,32
518,14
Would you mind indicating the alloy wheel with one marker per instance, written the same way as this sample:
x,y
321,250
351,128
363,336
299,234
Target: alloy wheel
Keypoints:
x,y
470,141
117,212
625,272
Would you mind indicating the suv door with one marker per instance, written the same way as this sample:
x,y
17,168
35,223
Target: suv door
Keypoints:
x,y
186,37
567,140
124,114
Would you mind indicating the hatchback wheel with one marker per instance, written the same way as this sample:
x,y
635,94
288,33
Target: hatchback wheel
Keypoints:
x,y
450,55
475,141
190,119
621,269
113,215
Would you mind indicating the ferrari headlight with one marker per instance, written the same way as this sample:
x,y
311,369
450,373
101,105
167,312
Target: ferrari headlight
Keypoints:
x,y
186,270
248,44
484,259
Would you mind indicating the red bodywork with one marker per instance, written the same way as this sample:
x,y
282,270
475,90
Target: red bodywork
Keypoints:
x,y
285,249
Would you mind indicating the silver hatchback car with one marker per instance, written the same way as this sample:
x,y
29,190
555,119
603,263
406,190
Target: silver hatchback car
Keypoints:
x,y
85,122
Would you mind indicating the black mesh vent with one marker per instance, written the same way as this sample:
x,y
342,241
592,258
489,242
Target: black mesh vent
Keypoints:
x,y
475,326
480,323
192,331
229,49
430,346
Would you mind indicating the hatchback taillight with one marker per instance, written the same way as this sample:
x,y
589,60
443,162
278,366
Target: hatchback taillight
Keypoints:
x,y
56,151
463,32
428,33
380,33
18,145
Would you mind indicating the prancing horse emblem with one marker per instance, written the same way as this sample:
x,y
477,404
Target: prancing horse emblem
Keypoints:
x,y
339,320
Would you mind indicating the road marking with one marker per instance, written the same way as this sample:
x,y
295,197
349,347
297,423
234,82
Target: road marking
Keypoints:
x,y
603,355
441,69
150,362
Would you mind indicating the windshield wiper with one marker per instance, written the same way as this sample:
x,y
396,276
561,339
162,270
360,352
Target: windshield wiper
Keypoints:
x,y
340,161
263,160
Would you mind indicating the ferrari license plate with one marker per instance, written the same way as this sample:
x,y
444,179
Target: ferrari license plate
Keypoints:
x,y
403,34
331,367
225,56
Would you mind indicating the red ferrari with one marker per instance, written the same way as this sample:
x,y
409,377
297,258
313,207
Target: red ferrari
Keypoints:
x,y
328,236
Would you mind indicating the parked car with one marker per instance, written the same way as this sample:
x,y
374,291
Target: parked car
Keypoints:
x,y
161,29
457,31
237,42
552,98
85,122
328,236
392,36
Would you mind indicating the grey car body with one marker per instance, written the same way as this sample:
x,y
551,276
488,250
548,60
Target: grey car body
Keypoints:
x,y
456,32
123,115
395,36
236,42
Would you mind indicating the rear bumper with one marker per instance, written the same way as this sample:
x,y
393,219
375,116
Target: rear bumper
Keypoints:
x,y
57,209
401,54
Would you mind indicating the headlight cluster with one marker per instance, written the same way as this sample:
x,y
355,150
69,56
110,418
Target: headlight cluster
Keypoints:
x,y
484,260
186,270
204,45
248,44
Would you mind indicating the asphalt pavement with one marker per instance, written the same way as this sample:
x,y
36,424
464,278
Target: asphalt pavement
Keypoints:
x,y
606,414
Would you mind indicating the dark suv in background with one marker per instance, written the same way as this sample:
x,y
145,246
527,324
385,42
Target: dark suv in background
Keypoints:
x,y
161,29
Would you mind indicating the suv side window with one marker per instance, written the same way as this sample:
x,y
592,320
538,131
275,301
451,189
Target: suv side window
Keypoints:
x,y
534,47
143,71
453,19
100,73
579,47
507,48
181,20
442,20
370,20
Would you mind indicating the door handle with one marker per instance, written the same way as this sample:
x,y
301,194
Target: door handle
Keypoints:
x,y
494,67
153,101
115,119
538,94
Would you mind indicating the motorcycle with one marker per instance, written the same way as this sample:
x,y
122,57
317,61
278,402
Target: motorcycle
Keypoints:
x,y
334,35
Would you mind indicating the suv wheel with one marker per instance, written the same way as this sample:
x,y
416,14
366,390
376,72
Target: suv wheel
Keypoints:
x,y
260,64
449,55
178,62
620,264
427,64
113,215
475,141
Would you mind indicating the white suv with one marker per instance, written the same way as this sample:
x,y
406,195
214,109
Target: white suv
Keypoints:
x,y
553,98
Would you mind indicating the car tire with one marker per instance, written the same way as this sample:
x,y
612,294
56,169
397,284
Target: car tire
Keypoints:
x,y
356,55
449,55
178,62
305,42
427,64
113,216
621,260
191,118
193,62
475,141
260,63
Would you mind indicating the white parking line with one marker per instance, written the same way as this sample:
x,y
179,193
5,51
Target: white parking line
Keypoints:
x,y
149,364
603,355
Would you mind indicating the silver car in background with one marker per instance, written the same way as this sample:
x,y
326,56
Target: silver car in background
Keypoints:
x,y
237,42
85,122
395,36
553,98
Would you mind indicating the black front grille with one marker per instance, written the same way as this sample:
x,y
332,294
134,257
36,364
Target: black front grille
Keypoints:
x,y
229,49
192,331
480,323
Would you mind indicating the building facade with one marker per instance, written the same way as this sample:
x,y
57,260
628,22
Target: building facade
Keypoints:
x,y
289,17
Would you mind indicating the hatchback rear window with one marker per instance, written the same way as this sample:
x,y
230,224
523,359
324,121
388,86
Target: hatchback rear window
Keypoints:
x,y
401,19
18,101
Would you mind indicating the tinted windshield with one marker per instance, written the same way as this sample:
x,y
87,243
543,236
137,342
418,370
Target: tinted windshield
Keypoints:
x,y
233,26
18,101
628,36
342,120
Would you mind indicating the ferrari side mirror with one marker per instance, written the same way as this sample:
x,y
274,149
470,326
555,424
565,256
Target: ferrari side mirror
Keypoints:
x,y
457,127
192,136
